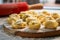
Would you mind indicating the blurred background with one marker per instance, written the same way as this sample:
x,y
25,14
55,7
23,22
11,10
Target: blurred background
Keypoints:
x,y
45,2
30,1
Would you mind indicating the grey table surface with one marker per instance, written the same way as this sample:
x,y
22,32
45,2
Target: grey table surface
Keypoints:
x,y
5,36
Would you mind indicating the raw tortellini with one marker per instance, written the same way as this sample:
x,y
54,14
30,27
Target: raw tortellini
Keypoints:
x,y
51,24
55,15
19,24
34,25
30,19
33,20
13,18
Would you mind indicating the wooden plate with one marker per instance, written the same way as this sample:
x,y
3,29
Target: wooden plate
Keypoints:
x,y
17,32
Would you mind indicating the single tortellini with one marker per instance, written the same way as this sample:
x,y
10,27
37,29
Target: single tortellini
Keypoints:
x,y
24,16
34,25
46,19
32,12
13,18
51,24
41,16
55,15
46,13
19,25
58,20
30,19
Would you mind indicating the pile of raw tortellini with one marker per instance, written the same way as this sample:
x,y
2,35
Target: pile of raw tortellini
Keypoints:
x,y
33,20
